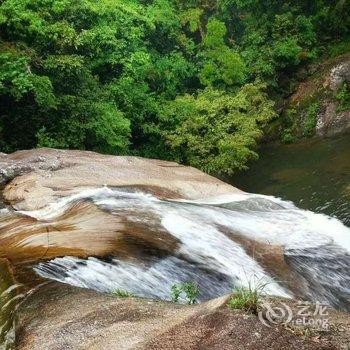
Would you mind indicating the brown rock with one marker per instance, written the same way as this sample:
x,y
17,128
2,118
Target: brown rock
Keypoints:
x,y
41,175
64,317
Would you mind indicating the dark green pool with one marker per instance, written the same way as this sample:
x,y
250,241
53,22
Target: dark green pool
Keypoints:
x,y
314,174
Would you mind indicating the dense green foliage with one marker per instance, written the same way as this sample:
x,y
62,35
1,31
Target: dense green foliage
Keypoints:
x,y
217,130
187,80
311,119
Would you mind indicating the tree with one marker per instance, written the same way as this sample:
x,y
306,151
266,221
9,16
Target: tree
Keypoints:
x,y
149,77
222,66
217,131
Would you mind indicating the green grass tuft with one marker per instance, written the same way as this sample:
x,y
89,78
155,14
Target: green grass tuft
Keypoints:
x,y
248,298
122,293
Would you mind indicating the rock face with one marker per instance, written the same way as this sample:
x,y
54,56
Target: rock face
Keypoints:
x,y
39,176
339,74
321,89
331,121
35,179
59,317
83,230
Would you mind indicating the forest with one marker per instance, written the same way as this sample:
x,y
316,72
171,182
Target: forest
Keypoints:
x,y
194,81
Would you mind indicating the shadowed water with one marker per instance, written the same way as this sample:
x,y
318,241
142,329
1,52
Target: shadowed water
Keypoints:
x,y
314,174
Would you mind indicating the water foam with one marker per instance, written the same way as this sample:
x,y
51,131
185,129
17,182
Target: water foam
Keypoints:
x,y
204,245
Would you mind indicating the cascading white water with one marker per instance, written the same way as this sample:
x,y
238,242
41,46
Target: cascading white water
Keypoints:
x,y
206,253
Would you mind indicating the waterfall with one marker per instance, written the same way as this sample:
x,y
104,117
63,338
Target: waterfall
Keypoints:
x,y
220,243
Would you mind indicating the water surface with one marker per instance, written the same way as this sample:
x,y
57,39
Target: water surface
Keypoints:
x,y
314,174
218,243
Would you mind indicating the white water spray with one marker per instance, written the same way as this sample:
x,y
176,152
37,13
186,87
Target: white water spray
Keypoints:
x,y
206,253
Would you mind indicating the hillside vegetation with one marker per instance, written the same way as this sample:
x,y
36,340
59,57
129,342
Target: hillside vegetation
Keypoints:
x,y
194,81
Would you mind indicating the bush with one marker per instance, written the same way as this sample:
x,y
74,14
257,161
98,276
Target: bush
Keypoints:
x,y
289,122
339,48
218,131
311,119
343,97
287,136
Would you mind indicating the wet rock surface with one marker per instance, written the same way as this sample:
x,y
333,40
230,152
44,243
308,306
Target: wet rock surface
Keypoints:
x,y
41,175
35,179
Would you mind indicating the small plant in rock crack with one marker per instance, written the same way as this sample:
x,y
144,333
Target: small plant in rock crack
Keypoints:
x,y
189,289
248,298
122,293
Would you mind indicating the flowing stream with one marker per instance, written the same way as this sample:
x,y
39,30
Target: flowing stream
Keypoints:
x,y
208,241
